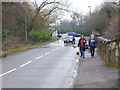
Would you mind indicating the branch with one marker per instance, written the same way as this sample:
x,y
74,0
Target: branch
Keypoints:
x,y
41,7
63,9
45,3
49,13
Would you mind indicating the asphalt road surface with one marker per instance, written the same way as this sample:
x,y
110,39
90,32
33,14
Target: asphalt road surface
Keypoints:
x,y
50,66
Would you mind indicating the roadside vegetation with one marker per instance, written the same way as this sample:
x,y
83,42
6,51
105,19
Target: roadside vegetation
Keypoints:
x,y
26,25
18,48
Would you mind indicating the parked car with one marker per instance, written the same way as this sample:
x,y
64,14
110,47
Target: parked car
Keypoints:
x,y
68,39
73,34
59,35
63,36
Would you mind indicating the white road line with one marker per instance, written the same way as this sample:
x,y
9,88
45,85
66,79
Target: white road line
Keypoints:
x,y
56,48
47,53
39,57
25,63
53,50
8,72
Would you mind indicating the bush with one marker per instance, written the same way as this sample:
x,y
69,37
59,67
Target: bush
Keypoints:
x,y
5,34
40,35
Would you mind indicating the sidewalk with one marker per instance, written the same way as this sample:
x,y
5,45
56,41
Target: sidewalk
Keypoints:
x,y
93,73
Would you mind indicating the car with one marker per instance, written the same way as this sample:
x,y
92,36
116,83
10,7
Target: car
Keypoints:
x,y
73,34
59,35
68,39
63,36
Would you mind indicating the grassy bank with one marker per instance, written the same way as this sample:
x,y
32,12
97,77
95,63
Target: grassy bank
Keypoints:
x,y
19,48
112,65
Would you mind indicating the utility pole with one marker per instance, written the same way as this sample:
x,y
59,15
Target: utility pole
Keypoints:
x,y
24,5
26,33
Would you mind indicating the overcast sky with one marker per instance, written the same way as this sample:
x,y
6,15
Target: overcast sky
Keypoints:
x,y
81,6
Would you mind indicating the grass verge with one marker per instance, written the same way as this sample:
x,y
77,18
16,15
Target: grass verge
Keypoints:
x,y
19,48
112,65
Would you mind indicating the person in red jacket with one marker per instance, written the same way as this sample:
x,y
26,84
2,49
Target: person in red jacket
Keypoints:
x,y
81,44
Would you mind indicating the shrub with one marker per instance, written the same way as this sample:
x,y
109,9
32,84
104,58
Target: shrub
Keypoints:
x,y
5,34
40,35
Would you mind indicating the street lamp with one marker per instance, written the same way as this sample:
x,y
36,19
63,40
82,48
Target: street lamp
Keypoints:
x,y
90,9
90,15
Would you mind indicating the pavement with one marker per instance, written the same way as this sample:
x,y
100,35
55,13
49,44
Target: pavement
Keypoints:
x,y
93,73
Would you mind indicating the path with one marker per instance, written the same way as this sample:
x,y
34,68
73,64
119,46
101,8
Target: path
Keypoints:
x,y
93,73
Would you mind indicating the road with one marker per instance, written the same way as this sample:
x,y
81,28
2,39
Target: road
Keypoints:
x,y
50,66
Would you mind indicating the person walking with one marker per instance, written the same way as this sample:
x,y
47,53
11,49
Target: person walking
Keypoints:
x,y
73,40
81,45
92,45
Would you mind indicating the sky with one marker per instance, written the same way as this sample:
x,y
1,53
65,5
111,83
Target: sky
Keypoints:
x,y
80,6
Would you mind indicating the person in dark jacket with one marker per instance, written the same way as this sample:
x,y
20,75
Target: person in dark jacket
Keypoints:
x,y
73,40
92,45
81,44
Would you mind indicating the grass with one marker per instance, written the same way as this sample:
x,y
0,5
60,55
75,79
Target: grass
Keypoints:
x,y
112,65
20,48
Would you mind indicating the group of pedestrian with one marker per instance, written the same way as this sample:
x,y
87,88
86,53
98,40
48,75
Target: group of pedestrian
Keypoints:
x,y
91,45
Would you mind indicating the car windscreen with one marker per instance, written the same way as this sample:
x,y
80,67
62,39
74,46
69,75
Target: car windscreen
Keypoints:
x,y
70,37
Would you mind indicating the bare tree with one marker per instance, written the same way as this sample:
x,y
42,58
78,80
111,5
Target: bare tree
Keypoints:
x,y
54,5
77,20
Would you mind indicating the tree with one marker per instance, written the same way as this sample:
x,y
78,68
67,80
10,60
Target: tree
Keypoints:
x,y
99,20
18,19
77,21
53,5
12,24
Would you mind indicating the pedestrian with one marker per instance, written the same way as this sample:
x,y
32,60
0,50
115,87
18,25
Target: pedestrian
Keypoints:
x,y
81,45
92,45
73,40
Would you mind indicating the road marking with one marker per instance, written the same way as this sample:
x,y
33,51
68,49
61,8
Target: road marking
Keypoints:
x,y
39,57
47,53
53,50
25,63
8,72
